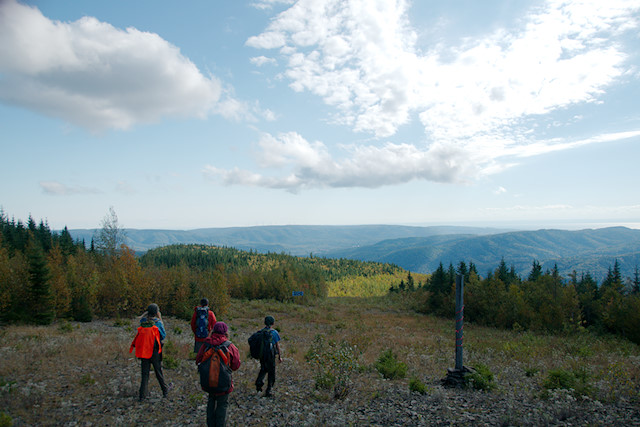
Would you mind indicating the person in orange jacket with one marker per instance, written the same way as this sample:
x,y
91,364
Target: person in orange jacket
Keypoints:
x,y
217,403
202,322
148,345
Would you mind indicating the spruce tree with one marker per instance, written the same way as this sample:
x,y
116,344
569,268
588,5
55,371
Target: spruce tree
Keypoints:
x,y
40,301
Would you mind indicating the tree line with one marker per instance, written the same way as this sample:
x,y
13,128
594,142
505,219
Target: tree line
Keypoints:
x,y
543,301
45,275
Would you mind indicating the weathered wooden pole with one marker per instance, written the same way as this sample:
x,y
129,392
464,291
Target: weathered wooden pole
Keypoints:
x,y
459,321
455,376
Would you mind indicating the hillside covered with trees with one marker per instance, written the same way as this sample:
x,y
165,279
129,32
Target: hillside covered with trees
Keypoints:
x,y
46,275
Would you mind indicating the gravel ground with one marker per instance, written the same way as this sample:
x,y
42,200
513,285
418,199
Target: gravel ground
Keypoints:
x,y
86,377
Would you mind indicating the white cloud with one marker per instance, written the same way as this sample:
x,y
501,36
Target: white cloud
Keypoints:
x,y
310,165
500,190
262,60
56,188
94,75
475,106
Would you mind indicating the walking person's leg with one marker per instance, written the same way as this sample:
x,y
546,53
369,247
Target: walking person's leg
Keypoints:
x,y
156,360
221,410
211,411
261,375
145,366
271,378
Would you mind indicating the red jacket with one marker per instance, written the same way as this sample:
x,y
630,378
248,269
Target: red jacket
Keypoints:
x,y
145,341
212,321
234,354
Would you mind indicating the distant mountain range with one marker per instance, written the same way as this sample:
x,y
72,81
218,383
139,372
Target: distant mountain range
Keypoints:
x,y
418,249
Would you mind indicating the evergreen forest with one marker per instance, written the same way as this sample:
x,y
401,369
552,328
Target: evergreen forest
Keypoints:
x,y
45,275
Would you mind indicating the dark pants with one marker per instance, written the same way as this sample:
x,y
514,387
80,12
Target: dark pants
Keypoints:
x,y
196,346
217,410
156,361
269,369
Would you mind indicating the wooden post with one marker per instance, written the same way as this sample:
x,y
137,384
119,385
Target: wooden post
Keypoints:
x,y
456,376
459,321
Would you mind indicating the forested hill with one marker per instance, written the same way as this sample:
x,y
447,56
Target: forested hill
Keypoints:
x,y
290,239
592,251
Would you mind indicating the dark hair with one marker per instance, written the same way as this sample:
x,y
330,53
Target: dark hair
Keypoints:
x,y
152,310
269,320
204,302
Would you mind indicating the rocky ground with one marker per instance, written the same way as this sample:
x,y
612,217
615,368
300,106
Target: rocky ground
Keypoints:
x,y
81,374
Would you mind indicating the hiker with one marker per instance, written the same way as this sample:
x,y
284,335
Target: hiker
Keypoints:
x,y
202,323
148,345
268,358
218,402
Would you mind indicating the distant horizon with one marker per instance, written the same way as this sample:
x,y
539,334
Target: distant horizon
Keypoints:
x,y
506,225
188,115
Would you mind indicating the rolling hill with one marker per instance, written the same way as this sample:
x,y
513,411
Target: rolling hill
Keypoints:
x,y
592,251
418,249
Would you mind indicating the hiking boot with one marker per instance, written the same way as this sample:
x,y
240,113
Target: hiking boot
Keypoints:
x,y
258,389
268,393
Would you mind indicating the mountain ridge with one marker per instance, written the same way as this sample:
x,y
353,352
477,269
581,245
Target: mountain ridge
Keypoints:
x,y
418,249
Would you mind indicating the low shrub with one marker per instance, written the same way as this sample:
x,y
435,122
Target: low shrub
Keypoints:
x,y
5,420
417,386
334,363
390,367
576,380
481,378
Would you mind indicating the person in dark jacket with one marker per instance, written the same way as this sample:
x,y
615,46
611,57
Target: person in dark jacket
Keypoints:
x,y
268,359
148,345
217,403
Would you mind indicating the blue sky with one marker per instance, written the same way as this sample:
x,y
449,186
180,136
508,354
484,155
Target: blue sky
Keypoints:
x,y
231,113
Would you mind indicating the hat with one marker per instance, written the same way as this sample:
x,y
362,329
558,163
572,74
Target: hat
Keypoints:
x,y
269,320
220,328
152,310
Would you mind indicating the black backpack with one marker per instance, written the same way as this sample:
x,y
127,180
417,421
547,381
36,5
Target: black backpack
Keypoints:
x,y
261,344
214,370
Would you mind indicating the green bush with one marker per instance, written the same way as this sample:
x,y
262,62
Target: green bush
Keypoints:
x,y
576,380
334,363
418,386
5,420
390,367
481,378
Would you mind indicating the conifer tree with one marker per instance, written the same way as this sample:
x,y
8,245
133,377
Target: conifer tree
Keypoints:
x,y
40,300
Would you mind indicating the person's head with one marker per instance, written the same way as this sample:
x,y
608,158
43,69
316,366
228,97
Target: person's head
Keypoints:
x,y
220,328
204,302
152,310
269,321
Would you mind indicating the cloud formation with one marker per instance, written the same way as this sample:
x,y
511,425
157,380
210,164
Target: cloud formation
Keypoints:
x,y
94,75
473,99
56,188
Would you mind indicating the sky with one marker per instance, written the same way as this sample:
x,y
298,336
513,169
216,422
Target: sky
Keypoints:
x,y
185,115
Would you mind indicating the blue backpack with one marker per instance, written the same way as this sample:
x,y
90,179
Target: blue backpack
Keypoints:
x,y
202,322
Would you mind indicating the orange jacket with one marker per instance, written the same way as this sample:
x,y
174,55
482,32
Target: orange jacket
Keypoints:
x,y
145,340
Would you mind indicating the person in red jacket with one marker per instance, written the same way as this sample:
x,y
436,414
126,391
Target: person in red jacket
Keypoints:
x,y
217,403
147,343
202,323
